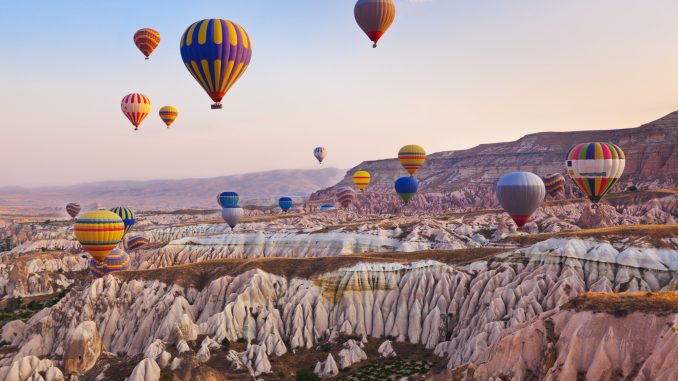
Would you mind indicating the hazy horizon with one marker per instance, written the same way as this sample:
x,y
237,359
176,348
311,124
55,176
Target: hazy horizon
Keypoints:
x,y
448,75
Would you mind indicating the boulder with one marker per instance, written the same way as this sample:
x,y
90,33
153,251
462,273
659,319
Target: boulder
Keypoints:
x,y
84,348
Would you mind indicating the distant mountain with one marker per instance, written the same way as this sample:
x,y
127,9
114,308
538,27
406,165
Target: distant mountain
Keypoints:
x,y
651,160
254,188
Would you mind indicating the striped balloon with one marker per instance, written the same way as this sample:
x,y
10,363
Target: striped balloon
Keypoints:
x,y
168,114
228,199
412,157
146,40
216,52
345,197
99,232
127,216
73,209
406,187
374,17
361,179
320,154
595,167
136,242
285,203
554,182
136,107
117,260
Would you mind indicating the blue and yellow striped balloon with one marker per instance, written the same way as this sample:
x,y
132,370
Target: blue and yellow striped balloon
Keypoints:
x,y
216,52
99,232
117,260
126,215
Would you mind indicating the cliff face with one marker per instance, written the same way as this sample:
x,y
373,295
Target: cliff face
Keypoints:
x,y
651,152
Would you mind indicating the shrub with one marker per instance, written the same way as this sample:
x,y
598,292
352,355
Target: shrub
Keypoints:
x,y
307,375
13,304
632,188
326,347
225,343
34,305
242,340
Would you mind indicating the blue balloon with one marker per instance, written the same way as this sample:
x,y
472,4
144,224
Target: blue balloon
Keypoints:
x,y
228,199
406,187
326,207
285,203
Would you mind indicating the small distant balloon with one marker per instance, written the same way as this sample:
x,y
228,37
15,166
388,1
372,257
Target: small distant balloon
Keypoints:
x,y
345,197
326,207
136,242
412,157
320,154
406,187
228,199
595,167
374,17
99,232
168,114
520,194
285,203
232,215
117,260
136,107
361,179
554,182
146,40
73,209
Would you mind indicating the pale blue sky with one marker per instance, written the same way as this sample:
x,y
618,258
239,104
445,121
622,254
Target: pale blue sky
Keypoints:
x,y
447,75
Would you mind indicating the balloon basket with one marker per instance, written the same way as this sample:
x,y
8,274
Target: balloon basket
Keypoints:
x,y
217,106
146,58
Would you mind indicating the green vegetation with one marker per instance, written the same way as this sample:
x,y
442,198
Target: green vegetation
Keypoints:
x,y
307,375
225,343
387,369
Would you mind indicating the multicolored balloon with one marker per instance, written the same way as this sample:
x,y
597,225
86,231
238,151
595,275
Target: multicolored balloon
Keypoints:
x,y
326,207
216,52
146,40
554,182
117,260
137,242
406,187
126,215
412,157
361,179
136,107
285,203
168,114
595,167
520,194
374,17
73,209
345,197
228,199
99,232
232,215
320,154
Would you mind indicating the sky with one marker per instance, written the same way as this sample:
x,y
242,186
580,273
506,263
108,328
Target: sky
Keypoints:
x,y
447,75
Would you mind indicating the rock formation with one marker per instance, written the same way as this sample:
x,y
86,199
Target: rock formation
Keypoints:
x,y
84,348
327,368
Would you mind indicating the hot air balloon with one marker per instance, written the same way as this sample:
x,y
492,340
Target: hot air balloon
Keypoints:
x,y
595,167
412,157
406,187
374,17
216,52
285,203
98,232
320,153
146,40
361,179
136,107
326,207
126,215
232,215
136,242
228,199
554,182
168,114
73,209
345,197
117,260
520,194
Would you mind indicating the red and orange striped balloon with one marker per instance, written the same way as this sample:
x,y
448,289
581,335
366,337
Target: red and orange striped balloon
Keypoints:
x,y
136,107
146,40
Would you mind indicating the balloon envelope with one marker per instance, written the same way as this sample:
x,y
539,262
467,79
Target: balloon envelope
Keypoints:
x,y
406,187
326,207
216,52
595,167
554,182
345,197
520,194
320,154
232,215
117,260
285,203
361,179
136,107
137,242
73,209
374,17
98,232
228,199
126,215
146,40
412,157
168,114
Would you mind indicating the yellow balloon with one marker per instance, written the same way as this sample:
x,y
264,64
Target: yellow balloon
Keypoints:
x,y
412,157
361,179
99,232
168,114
